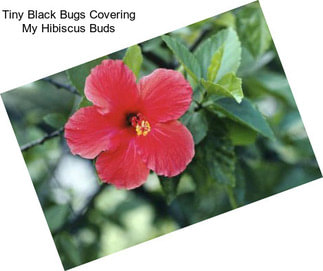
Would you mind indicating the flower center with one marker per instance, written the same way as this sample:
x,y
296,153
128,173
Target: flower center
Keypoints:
x,y
142,126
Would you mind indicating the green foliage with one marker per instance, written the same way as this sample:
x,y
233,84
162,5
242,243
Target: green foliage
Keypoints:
x,y
78,74
56,216
185,57
169,186
218,58
228,86
55,120
84,102
272,83
196,122
244,113
68,248
230,58
239,134
253,30
215,64
133,59
250,64
226,19
218,154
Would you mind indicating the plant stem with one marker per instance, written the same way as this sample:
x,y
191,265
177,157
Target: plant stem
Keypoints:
x,y
41,140
61,85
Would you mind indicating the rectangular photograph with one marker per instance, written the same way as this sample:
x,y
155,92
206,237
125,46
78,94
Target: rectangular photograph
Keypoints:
x,y
161,135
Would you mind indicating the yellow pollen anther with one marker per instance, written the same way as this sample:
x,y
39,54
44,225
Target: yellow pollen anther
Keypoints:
x,y
143,128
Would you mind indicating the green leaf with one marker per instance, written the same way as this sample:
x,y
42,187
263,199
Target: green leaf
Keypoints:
x,y
198,126
228,86
56,216
226,19
231,57
55,120
133,59
169,186
244,113
232,83
184,56
85,102
213,69
253,30
240,135
78,74
273,83
69,250
218,155
250,64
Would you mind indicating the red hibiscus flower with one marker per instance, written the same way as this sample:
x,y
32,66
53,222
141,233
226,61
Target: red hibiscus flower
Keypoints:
x,y
132,128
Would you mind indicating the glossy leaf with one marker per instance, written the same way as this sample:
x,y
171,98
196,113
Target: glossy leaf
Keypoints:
x,y
230,60
184,56
244,113
240,135
197,124
228,86
133,59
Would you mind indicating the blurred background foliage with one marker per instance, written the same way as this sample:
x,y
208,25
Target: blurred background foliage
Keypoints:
x,y
245,150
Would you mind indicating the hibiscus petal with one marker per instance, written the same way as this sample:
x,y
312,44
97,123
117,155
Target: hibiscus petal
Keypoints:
x,y
122,167
167,149
112,86
166,95
87,132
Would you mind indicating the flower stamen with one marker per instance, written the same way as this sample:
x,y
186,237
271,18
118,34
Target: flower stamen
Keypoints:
x,y
143,128
141,125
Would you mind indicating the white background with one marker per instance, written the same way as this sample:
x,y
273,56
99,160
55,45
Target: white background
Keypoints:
x,y
283,232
